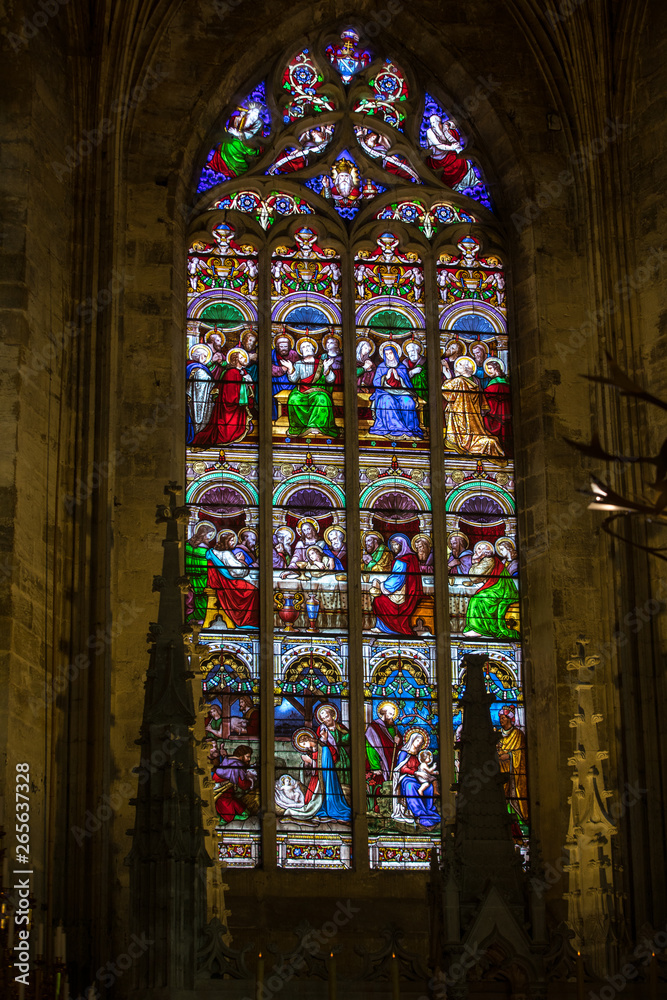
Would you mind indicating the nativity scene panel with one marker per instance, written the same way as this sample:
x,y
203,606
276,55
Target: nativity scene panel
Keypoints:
x,y
312,753
402,752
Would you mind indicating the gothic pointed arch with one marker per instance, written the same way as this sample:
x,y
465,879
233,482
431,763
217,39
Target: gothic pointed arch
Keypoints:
x,y
350,473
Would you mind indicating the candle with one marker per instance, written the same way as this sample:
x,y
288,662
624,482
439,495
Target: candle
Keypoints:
x,y
57,985
581,990
653,978
395,991
260,977
332,977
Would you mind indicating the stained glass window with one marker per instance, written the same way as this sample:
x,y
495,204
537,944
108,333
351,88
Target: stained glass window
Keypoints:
x,y
349,425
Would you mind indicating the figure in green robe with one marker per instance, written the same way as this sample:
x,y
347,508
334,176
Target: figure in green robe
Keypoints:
x,y
196,568
416,365
489,605
310,405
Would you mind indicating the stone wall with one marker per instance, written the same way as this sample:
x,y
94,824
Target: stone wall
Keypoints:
x,y
99,429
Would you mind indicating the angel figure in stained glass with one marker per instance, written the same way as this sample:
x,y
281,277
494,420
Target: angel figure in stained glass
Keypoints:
x,y
232,156
444,147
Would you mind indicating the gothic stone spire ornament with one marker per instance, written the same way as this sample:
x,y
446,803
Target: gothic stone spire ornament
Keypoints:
x,y
168,860
484,918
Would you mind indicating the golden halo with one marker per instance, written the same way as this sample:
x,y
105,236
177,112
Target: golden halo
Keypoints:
x,y
505,538
459,534
426,538
331,708
308,520
216,333
332,336
494,361
201,347
374,534
460,345
228,531
298,737
202,524
478,343
387,704
334,527
284,335
243,355
285,527
464,365
412,731
365,340
302,341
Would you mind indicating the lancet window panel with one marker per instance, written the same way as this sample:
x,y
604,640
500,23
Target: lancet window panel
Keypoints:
x,y
349,425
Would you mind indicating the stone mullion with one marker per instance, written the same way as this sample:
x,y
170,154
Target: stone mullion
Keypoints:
x,y
355,643
265,489
441,581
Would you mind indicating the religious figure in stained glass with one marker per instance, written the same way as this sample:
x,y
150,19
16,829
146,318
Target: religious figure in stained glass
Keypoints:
x,y
396,597
512,757
342,156
487,612
199,386
498,418
464,408
232,596
394,401
310,404
230,419
413,787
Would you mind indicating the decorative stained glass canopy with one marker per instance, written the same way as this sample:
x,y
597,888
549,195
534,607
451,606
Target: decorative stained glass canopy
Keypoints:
x,y
349,126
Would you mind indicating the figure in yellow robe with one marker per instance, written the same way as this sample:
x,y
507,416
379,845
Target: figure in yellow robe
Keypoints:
x,y
512,757
464,425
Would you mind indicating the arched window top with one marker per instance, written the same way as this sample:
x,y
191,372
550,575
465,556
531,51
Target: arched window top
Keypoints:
x,y
349,465
350,125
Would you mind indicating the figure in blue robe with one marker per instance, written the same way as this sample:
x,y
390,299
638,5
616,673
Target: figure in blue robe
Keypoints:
x,y
394,402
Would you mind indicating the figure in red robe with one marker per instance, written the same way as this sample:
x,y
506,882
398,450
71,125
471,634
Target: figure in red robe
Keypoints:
x,y
230,419
397,597
238,598
498,420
